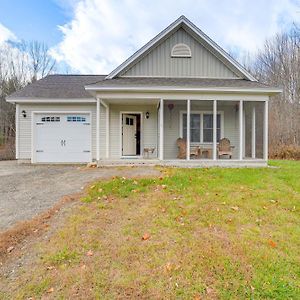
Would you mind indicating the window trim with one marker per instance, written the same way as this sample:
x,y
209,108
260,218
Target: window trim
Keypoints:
x,y
201,113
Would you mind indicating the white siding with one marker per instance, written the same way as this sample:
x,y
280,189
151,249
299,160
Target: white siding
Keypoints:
x,y
149,127
159,63
25,133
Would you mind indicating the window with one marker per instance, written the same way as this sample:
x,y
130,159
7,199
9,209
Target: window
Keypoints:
x,y
195,127
208,128
181,50
129,121
201,127
50,119
76,119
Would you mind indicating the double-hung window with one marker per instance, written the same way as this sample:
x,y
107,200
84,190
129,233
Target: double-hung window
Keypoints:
x,y
201,127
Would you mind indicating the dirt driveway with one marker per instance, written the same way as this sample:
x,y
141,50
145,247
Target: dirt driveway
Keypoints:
x,y
27,190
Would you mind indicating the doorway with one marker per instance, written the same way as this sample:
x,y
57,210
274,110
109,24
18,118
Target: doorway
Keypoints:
x,y
131,134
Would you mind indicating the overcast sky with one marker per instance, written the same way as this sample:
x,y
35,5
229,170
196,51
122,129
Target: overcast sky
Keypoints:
x,y
94,36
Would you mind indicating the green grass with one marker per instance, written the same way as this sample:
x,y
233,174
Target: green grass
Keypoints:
x,y
214,234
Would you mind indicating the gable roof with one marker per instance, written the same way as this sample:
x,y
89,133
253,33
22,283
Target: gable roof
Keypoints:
x,y
58,87
198,35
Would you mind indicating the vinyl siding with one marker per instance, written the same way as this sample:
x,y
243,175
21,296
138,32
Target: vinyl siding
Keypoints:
x,y
149,127
159,63
172,125
25,133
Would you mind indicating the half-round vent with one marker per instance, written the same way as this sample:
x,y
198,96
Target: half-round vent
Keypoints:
x,y
181,50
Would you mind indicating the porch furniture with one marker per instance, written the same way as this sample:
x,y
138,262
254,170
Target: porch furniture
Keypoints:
x,y
148,151
195,152
224,148
181,144
206,153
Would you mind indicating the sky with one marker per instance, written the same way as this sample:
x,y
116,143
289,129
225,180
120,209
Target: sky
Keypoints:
x,y
95,36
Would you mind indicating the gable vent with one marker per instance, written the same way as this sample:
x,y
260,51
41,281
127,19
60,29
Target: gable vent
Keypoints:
x,y
181,50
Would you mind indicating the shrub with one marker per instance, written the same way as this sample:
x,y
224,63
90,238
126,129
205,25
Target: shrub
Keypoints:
x,y
291,151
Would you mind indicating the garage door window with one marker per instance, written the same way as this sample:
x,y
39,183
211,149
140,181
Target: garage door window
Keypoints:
x,y
76,119
50,119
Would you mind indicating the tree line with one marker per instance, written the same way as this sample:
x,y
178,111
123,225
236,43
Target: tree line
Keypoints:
x,y
276,64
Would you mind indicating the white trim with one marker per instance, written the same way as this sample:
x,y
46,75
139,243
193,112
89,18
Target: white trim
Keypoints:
x,y
253,133
141,135
188,129
265,130
244,131
184,89
107,137
49,100
214,129
179,22
241,132
17,115
201,113
62,112
98,112
161,129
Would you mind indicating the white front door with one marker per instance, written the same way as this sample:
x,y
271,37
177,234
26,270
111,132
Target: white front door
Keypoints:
x,y
62,138
129,127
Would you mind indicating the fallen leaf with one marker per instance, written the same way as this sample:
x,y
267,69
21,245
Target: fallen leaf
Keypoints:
x,y
9,249
235,208
272,244
146,236
273,201
197,297
83,267
104,197
168,267
51,290
100,190
90,253
134,191
92,187
135,182
164,186
50,268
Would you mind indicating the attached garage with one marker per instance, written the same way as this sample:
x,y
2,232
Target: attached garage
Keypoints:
x,y
61,137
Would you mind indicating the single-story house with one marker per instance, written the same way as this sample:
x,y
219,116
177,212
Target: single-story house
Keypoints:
x,y
180,98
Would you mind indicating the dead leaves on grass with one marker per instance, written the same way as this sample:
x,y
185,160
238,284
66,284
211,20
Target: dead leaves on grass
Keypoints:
x,y
146,236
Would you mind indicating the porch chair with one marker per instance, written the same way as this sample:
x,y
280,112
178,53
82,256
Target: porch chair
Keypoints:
x,y
194,152
181,144
224,148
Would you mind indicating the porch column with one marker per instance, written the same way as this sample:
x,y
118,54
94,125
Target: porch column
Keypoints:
x,y
98,107
241,129
107,131
253,133
161,129
188,129
266,121
214,129
244,130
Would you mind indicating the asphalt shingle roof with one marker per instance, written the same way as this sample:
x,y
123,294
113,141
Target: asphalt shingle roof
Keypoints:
x,y
58,86
73,86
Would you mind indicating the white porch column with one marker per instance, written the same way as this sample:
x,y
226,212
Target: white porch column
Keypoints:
x,y
98,108
161,129
241,129
214,129
107,131
244,130
266,121
253,133
188,129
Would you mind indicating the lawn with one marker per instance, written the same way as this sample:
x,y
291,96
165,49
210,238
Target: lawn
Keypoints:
x,y
190,234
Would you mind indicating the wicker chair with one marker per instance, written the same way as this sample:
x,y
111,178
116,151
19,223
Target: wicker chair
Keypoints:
x,y
181,143
224,148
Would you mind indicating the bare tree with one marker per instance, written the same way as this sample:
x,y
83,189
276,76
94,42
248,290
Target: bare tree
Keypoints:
x,y
20,64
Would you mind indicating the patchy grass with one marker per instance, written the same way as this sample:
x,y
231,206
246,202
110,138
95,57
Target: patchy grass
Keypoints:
x,y
191,234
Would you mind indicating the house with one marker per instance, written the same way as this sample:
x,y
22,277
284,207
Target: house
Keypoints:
x,y
181,84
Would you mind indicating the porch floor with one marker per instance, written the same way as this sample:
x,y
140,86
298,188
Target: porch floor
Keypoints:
x,y
203,163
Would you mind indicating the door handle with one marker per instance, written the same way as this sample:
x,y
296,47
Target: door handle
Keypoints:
x,y
63,143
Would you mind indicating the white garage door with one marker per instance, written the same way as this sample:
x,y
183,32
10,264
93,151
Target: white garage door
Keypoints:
x,y
62,138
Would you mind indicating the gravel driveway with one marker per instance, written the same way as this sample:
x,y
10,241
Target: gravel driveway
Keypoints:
x,y
27,190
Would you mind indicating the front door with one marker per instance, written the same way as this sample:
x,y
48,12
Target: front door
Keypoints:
x,y
129,135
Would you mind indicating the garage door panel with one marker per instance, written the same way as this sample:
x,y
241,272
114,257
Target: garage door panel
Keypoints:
x,y
62,138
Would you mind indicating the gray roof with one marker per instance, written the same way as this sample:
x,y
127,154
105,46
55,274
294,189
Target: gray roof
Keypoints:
x,y
178,82
58,86
73,86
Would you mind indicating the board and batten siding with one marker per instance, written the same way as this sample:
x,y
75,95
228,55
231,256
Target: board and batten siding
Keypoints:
x,y
25,133
149,127
172,125
159,63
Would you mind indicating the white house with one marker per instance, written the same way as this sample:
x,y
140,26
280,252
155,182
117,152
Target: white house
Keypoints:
x,y
181,84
